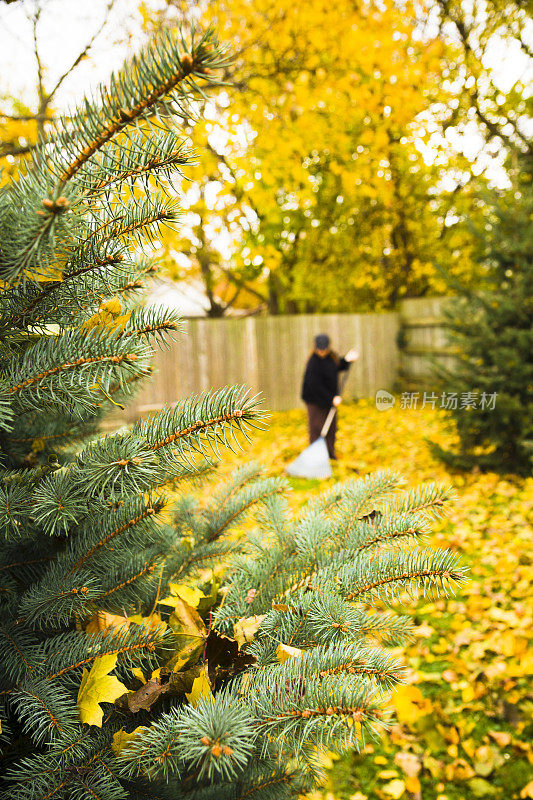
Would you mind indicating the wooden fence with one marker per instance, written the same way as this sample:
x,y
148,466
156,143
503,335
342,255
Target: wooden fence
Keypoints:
x,y
269,353
422,340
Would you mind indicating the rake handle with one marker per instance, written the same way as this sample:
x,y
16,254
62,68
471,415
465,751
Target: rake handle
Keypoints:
x,y
333,410
329,420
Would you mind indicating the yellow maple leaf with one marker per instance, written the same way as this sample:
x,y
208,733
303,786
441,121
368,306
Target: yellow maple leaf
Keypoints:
x,y
192,596
190,634
108,316
410,703
121,321
137,671
285,651
245,629
113,306
156,674
96,321
201,687
44,275
97,686
151,622
121,739
103,622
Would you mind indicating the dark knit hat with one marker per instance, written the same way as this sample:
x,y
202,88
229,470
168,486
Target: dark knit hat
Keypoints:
x,y
322,341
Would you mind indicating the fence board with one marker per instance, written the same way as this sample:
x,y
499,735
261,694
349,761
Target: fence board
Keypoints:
x,y
424,339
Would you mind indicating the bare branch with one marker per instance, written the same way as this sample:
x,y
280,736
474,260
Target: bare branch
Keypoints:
x,y
16,149
242,284
45,98
238,190
40,72
25,117
83,53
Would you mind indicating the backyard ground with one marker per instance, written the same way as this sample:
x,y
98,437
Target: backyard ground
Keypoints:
x,y
463,722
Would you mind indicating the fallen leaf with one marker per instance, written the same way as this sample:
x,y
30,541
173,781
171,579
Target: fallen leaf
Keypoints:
x,y
97,686
458,770
144,698
410,703
409,763
181,681
224,657
424,630
44,275
413,785
139,674
151,622
191,595
387,774
113,305
502,738
121,739
468,694
201,687
449,676
190,634
449,733
285,651
394,789
103,622
245,629
434,767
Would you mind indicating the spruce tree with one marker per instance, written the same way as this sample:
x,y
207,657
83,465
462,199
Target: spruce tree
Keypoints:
x,y
127,671
491,379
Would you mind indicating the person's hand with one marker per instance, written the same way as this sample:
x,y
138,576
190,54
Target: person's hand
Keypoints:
x,y
351,355
337,400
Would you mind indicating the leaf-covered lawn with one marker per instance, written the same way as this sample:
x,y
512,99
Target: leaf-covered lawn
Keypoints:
x,y
463,725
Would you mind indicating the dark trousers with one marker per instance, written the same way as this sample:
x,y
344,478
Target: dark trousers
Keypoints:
x,y
316,417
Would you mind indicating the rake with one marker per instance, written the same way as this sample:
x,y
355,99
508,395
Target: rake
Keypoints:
x,y
314,462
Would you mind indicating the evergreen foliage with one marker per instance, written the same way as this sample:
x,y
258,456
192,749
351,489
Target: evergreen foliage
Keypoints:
x,y
127,671
492,331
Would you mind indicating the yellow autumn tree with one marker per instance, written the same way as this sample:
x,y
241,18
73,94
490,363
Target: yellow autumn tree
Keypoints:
x,y
332,157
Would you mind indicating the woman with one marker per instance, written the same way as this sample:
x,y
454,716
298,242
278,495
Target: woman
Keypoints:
x,y
320,389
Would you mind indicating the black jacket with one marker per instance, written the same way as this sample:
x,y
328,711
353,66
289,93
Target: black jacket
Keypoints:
x,y
321,380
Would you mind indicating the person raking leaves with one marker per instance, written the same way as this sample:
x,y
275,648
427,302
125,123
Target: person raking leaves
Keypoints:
x,y
320,388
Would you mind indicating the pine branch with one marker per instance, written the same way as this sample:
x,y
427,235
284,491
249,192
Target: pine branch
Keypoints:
x,y
395,573
200,423
163,75
151,77
148,157
60,717
123,522
51,373
77,650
